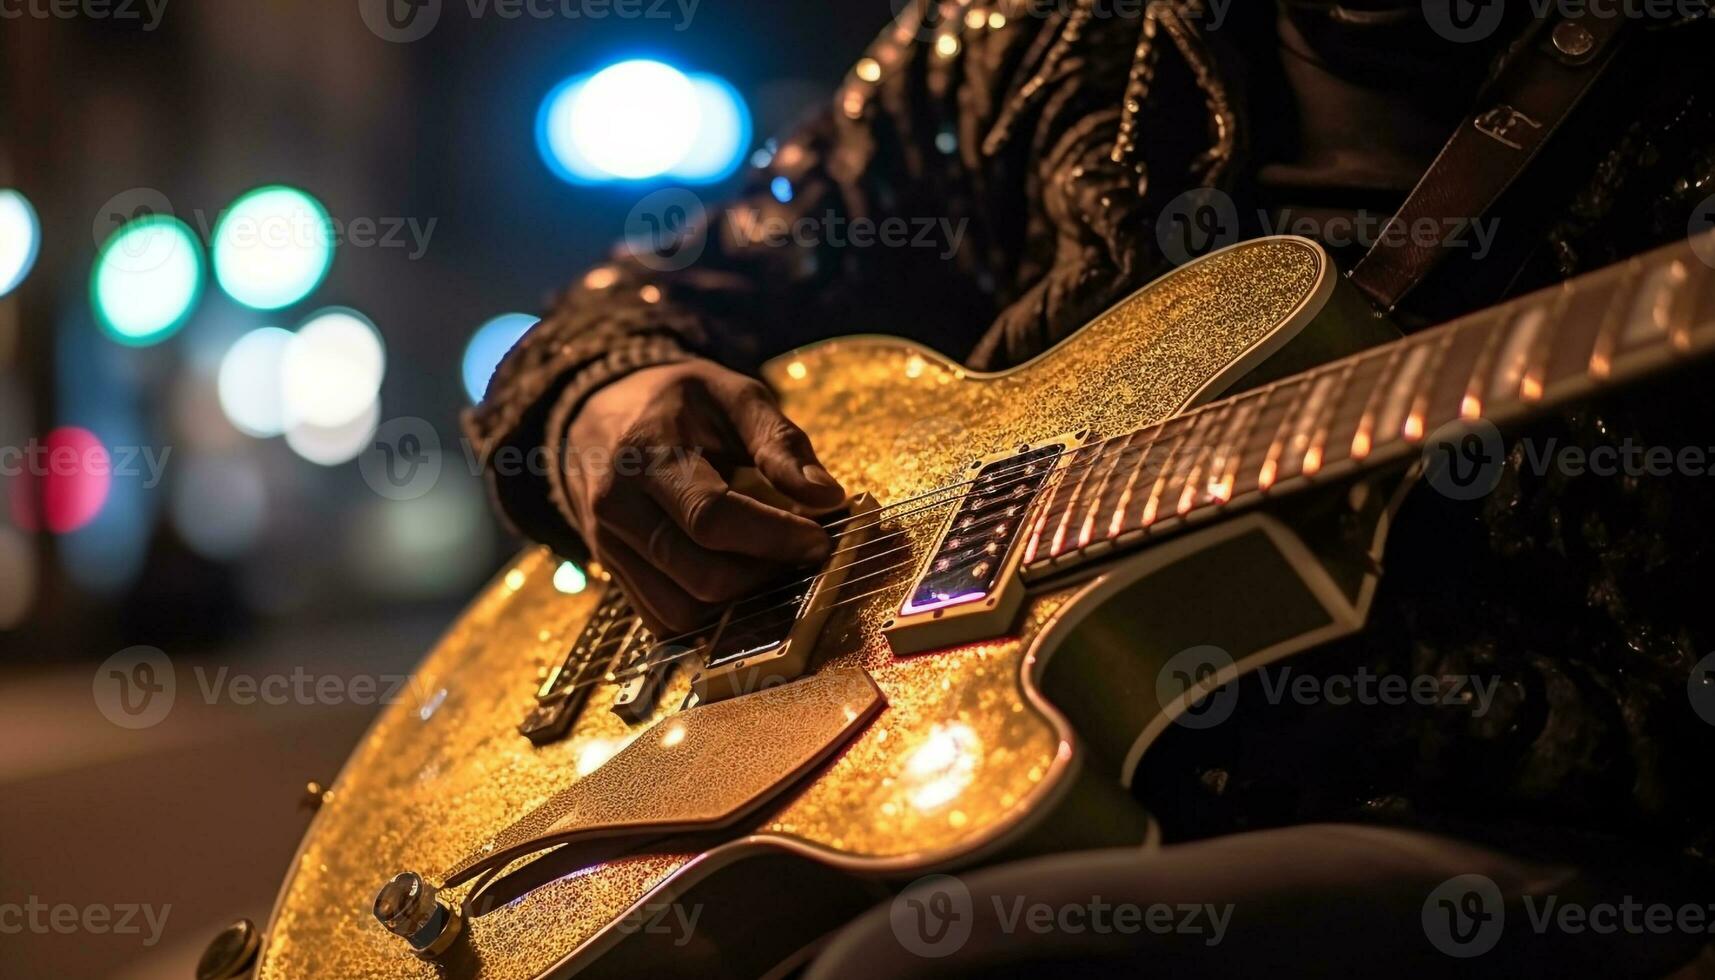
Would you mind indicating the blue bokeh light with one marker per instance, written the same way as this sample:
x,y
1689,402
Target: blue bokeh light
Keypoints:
x,y
641,120
487,346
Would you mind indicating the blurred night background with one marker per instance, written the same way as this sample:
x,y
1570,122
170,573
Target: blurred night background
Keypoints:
x,y
237,236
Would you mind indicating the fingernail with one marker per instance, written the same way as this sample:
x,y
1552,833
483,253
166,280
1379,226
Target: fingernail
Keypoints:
x,y
820,477
817,545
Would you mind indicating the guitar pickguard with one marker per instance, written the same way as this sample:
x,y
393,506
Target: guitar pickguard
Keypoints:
x,y
695,771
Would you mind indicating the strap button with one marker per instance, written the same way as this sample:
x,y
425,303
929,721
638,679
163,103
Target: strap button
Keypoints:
x,y
1573,41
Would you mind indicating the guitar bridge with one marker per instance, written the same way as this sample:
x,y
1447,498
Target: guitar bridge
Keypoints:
x,y
969,588
768,640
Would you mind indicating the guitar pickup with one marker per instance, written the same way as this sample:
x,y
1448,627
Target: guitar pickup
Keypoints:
x,y
642,677
768,640
612,628
969,588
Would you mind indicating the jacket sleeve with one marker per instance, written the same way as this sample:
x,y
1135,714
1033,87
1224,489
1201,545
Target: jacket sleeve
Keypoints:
x,y
863,220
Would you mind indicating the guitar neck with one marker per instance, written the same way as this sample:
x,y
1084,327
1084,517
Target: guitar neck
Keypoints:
x,y
1501,365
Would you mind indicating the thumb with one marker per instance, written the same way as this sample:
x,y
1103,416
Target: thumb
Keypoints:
x,y
781,450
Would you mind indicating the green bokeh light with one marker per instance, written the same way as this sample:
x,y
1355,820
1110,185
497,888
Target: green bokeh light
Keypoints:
x,y
147,280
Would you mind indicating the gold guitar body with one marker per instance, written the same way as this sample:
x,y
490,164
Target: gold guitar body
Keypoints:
x,y
975,754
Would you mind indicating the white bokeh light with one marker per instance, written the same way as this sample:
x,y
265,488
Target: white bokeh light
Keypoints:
x,y
331,445
332,370
643,120
251,375
635,119
20,239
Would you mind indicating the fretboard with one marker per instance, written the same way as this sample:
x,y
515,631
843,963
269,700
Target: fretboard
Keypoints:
x,y
1502,365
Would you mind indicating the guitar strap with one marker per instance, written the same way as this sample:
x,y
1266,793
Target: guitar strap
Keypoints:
x,y
1519,110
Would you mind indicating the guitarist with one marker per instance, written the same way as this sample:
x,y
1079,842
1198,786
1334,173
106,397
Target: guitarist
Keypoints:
x,y
1053,146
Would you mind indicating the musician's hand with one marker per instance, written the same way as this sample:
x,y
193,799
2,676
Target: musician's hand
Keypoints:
x,y
647,466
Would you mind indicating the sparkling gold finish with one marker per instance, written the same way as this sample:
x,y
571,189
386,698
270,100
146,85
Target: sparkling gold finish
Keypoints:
x,y
961,757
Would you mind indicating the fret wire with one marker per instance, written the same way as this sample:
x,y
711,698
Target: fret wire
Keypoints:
x,y
1398,400
1189,494
1147,517
1471,405
1519,333
1414,420
1047,495
1651,309
1534,382
1318,442
1271,464
1089,508
1702,302
1363,439
1057,547
1613,321
1683,302
1088,527
1116,523
1303,427
1349,408
1133,457
1226,467
1170,434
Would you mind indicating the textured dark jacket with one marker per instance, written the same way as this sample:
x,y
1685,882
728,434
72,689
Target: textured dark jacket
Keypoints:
x,y
1050,137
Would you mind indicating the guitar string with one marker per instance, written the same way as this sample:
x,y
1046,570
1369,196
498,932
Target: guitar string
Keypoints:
x,y
1189,419
1052,482
812,579
1096,453
647,664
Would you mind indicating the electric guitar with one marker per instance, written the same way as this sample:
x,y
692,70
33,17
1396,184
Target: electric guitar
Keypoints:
x,y
1011,615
